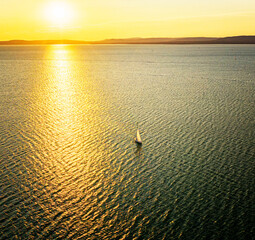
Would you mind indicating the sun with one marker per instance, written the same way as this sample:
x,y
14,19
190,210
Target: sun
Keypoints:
x,y
59,13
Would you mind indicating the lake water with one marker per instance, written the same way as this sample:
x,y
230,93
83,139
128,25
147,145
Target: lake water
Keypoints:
x,y
70,168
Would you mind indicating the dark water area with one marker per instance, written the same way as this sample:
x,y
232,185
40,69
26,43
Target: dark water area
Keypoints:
x,y
70,168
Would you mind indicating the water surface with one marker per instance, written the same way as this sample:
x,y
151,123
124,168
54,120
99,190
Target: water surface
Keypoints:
x,y
69,166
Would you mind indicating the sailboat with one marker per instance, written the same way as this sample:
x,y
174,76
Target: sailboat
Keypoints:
x,y
138,139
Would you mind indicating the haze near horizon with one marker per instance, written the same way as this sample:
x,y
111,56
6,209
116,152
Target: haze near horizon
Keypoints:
x,y
98,19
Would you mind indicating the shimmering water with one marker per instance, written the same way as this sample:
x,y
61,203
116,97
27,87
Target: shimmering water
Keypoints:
x,y
69,166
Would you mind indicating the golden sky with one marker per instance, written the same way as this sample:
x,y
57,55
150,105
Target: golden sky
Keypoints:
x,y
104,19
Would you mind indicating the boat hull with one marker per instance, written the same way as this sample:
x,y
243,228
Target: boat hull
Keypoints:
x,y
138,142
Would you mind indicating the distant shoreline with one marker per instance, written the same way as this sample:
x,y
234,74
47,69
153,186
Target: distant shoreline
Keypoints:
x,y
192,40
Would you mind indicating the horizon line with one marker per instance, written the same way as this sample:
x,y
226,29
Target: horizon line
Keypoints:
x,y
139,40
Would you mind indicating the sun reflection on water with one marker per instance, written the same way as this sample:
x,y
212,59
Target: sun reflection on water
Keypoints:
x,y
63,124
77,149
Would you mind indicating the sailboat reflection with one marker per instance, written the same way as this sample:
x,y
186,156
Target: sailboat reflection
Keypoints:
x,y
138,151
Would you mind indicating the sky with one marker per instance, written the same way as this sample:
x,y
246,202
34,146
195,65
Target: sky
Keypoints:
x,y
106,19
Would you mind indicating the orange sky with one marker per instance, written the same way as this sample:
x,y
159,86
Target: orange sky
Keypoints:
x,y
102,19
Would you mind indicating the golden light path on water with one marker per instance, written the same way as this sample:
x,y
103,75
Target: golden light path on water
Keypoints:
x,y
66,139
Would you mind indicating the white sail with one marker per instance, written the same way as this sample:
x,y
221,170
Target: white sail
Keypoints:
x,y
138,136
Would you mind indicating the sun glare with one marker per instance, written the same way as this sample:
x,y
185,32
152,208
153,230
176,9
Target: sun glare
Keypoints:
x,y
59,13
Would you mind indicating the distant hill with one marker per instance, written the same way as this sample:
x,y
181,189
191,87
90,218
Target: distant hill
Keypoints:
x,y
191,40
237,40
156,40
